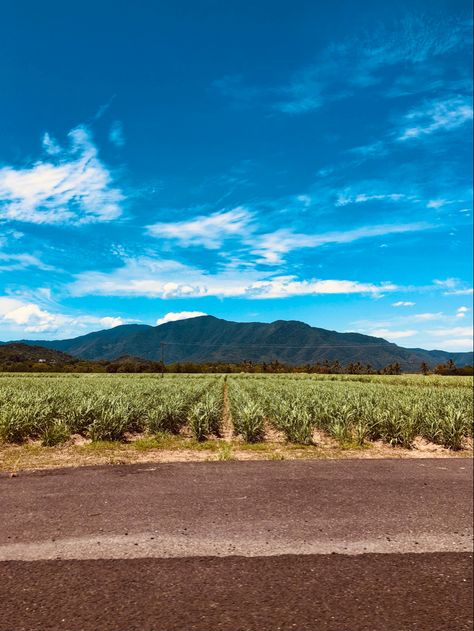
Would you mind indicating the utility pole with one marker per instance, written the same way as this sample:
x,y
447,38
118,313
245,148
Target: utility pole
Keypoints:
x,y
162,348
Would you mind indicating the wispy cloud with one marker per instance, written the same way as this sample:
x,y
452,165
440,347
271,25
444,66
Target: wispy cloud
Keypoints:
x,y
453,287
208,231
460,292
13,261
270,247
71,185
390,334
436,203
116,135
455,331
394,329
243,224
345,198
456,344
426,316
360,63
403,303
437,116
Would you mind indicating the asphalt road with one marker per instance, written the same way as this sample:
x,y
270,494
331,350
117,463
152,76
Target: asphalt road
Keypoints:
x,y
322,545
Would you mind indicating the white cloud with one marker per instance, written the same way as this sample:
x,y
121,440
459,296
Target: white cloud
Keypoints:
x,y
71,186
110,322
206,230
437,116
174,316
403,303
31,317
393,335
50,145
461,312
286,286
436,203
426,316
446,336
460,292
455,331
453,287
448,283
171,279
457,344
19,317
306,200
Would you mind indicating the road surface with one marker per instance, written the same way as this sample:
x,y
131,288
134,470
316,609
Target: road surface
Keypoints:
x,y
372,545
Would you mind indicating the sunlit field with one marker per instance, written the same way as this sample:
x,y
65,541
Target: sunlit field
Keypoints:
x,y
52,409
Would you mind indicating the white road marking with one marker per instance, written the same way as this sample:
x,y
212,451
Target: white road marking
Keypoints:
x,y
151,545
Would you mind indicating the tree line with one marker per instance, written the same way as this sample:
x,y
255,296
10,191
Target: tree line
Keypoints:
x,y
136,365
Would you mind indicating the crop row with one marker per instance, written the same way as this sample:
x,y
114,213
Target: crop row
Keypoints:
x,y
352,411
106,409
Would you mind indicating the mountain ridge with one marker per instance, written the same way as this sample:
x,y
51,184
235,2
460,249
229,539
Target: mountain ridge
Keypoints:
x,y
210,339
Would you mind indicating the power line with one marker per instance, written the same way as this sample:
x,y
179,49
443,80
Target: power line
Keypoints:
x,y
258,346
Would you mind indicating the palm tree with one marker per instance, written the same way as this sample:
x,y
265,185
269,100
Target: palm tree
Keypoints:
x,y
336,367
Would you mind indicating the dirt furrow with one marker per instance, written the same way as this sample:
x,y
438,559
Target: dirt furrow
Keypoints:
x,y
227,425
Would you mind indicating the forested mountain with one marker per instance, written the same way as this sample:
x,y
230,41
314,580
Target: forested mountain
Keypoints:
x,y
210,339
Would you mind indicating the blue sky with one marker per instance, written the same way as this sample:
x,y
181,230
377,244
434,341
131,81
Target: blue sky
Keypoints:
x,y
249,160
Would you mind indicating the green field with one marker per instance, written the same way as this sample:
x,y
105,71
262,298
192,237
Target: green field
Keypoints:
x,y
352,410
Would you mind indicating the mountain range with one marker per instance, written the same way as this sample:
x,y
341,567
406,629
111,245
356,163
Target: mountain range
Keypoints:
x,y
209,339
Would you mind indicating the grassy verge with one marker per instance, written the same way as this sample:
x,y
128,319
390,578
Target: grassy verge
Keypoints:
x,y
169,448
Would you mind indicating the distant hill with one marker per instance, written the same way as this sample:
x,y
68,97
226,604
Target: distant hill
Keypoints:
x,y
18,352
209,339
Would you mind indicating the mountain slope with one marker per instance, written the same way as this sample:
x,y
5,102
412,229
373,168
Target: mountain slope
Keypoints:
x,y
15,352
205,339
